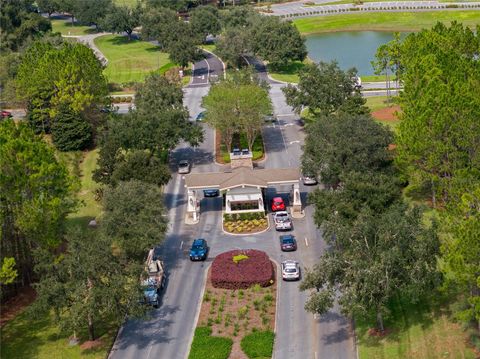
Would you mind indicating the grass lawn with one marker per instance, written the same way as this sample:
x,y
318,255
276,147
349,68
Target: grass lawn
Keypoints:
x,y
377,103
258,344
26,337
131,61
287,73
205,345
395,21
417,331
129,3
65,28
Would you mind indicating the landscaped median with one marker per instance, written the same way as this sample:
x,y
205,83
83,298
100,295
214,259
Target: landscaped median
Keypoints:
x,y
238,310
245,223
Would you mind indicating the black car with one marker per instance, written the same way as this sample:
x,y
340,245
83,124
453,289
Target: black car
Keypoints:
x,y
288,243
211,192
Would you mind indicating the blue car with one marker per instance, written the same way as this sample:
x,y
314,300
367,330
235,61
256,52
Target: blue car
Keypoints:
x,y
199,250
211,192
200,116
151,293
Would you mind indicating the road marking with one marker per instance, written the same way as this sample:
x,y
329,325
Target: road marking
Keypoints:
x,y
181,245
292,142
288,124
306,241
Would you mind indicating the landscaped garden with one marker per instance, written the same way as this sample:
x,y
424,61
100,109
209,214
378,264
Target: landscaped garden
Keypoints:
x,y
245,223
240,141
238,310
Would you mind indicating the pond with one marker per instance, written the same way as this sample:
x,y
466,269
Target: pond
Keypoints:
x,y
350,49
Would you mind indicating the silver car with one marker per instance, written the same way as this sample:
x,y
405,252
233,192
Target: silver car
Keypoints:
x,y
309,180
282,221
290,270
184,167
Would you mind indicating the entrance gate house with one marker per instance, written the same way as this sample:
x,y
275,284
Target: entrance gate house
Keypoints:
x,y
243,189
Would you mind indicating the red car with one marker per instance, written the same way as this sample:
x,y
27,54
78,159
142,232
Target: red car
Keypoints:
x,y
6,114
278,204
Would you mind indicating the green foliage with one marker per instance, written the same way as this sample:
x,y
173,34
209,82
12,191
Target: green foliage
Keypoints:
x,y
258,344
325,88
48,6
277,41
182,44
157,24
8,273
20,24
204,345
239,257
51,77
122,19
231,47
92,11
204,21
439,128
134,217
87,284
35,195
342,143
141,166
70,131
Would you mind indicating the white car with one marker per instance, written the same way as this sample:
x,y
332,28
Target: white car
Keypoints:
x,y
282,221
309,180
290,270
183,167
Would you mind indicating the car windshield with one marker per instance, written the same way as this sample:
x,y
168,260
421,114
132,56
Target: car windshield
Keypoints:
x,y
282,217
197,246
277,203
149,288
183,164
290,270
287,240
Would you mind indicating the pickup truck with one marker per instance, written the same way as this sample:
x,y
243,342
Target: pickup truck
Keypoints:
x,y
155,279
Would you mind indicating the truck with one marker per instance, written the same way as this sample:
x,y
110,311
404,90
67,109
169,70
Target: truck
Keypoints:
x,y
154,280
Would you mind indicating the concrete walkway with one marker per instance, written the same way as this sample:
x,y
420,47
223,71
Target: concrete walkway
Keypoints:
x,y
89,41
299,9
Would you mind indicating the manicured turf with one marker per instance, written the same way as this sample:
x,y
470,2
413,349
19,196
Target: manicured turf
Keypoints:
x,y
377,103
287,73
206,346
417,331
129,3
394,21
40,338
257,148
65,28
130,61
258,344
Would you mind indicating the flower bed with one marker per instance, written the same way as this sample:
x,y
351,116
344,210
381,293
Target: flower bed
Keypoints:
x,y
229,273
245,223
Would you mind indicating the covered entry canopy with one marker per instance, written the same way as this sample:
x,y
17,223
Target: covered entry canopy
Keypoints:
x,y
242,185
241,177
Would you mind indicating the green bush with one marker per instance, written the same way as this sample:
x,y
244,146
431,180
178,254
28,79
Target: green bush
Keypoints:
x,y
70,131
258,344
206,346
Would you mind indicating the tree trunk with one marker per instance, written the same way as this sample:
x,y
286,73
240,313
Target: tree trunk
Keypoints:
x,y
91,329
380,321
73,17
434,196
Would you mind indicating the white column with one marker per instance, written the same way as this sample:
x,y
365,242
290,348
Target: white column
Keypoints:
x,y
297,200
192,206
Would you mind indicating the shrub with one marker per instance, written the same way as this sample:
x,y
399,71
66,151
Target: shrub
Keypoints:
x,y
258,344
239,257
206,346
268,298
242,312
257,269
71,131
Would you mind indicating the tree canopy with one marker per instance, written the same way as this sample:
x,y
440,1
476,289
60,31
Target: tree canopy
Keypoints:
x,y
122,18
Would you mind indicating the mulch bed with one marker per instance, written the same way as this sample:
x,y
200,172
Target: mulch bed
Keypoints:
x,y
387,113
233,302
17,304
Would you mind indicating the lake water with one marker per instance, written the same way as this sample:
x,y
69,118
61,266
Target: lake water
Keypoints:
x,y
350,49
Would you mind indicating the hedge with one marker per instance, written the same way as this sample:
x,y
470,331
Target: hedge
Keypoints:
x,y
204,346
257,269
258,344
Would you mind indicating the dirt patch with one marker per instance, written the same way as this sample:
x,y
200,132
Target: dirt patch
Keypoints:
x,y
17,304
91,344
234,313
374,332
387,113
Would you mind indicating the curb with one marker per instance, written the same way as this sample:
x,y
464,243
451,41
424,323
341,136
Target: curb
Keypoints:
x,y
113,348
199,307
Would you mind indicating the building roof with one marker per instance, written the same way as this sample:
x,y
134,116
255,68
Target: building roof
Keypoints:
x,y
242,177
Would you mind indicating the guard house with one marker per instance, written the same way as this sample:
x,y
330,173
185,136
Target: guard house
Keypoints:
x,y
243,186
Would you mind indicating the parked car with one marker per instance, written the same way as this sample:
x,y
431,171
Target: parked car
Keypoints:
x,y
5,114
200,116
269,118
282,221
309,180
290,270
288,243
199,250
278,204
211,192
184,167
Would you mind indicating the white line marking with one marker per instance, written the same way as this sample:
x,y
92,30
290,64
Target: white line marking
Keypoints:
x,y
292,142
181,245
306,241
288,124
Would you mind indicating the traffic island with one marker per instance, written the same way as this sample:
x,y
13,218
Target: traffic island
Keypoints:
x,y
238,305
245,223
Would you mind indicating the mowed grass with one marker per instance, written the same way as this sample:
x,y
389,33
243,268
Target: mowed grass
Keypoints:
x,y
129,3
205,345
416,331
65,28
395,21
131,60
40,338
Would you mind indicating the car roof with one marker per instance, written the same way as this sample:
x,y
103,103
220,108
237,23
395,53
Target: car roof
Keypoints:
x,y
182,162
289,263
277,198
199,241
286,237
